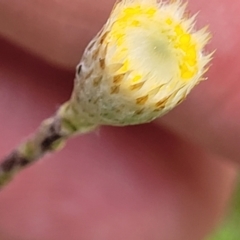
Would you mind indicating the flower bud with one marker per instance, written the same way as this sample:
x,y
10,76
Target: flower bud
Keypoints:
x,y
144,61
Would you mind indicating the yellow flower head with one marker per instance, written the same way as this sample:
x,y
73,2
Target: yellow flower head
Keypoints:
x,y
144,61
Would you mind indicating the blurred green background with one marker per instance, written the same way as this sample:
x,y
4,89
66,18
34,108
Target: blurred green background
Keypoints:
x,y
230,228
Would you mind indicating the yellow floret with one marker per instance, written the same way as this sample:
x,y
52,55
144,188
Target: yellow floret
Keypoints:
x,y
137,17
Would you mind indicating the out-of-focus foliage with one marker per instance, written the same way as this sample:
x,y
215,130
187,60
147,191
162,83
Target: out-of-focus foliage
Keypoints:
x,y
230,229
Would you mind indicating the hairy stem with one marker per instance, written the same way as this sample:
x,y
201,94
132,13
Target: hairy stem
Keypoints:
x,y
50,136
46,139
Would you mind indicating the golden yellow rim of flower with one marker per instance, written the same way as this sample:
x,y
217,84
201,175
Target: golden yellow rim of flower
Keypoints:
x,y
156,41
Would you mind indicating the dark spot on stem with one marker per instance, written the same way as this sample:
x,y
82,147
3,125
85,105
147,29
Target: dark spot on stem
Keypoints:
x,y
48,141
52,136
14,160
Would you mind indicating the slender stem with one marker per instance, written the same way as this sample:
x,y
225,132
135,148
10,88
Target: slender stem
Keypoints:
x,y
46,139
50,136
